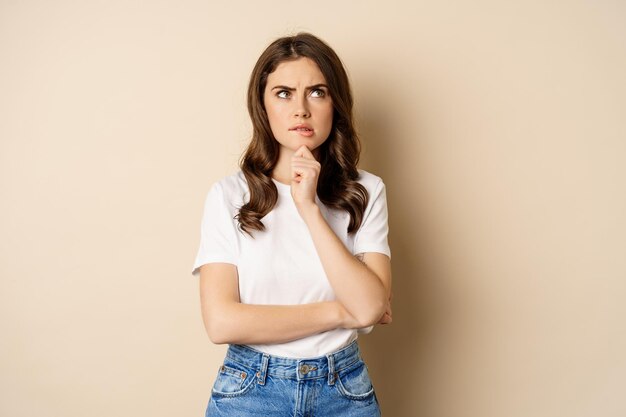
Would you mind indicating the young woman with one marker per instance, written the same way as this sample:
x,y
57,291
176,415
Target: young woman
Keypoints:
x,y
293,258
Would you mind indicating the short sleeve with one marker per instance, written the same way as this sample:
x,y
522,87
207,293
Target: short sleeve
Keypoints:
x,y
372,235
217,233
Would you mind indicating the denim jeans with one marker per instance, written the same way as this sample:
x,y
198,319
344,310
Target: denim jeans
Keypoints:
x,y
253,384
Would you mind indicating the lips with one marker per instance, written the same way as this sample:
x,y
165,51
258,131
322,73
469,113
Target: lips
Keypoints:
x,y
302,127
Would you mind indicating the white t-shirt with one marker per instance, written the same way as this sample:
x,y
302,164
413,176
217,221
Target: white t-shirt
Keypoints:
x,y
280,265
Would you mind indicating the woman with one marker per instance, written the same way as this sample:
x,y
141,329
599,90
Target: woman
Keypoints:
x,y
294,259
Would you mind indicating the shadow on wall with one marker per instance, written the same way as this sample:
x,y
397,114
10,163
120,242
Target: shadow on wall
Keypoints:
x,y
397,354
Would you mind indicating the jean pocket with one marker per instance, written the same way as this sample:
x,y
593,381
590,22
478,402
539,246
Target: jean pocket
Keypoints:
x,y
355,383
233,380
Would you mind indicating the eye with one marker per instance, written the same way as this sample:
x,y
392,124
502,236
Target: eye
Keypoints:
x,y
318,92
283,94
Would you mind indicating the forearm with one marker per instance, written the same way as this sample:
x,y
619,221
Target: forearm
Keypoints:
x,y
356,286
238,323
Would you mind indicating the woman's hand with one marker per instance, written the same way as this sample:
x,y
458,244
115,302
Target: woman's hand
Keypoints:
x,y
305,171
386,318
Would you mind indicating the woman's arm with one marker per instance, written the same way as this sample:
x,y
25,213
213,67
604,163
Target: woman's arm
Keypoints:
x,y
227,320
363,286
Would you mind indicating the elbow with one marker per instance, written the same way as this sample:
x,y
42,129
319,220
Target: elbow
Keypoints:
x,y
217,338
371,315
217,331
222,325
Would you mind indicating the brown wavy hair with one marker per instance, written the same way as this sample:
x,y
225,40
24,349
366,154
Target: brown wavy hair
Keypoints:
x,y
337,185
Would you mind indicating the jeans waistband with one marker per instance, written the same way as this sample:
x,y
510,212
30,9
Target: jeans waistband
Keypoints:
x,y
301,369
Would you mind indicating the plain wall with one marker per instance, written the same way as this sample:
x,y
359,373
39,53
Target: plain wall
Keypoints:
x,y
498,127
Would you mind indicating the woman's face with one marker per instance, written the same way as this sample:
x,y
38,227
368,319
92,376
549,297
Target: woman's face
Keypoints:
x,y
298,105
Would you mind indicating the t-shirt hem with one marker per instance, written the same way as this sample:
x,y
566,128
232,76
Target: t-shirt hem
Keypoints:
x,y
303,352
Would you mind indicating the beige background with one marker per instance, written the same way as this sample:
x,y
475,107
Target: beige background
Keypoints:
x,y
498,127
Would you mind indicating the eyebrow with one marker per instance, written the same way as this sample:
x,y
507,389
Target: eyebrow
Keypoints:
x,y
284,87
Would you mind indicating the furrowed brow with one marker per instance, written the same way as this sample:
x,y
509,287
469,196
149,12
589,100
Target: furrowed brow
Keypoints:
x,y
313,87
284,87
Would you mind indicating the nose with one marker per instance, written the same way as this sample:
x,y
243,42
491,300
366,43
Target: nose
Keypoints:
x,y
301,107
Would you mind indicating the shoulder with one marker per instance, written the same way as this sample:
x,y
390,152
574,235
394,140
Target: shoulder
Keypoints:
x,y
231,189
233,183
370,181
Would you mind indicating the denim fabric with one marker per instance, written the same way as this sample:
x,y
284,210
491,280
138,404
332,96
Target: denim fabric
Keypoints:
x,y
252,383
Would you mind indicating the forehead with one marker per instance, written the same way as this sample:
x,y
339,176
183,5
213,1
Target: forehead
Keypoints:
x,y
296,72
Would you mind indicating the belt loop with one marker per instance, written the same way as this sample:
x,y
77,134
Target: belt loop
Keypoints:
x,y
331,369
263,371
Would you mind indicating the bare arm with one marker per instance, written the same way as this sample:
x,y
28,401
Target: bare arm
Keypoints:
x,y
227,320
363,287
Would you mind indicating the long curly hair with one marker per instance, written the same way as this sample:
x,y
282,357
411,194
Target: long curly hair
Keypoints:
x,y
337,185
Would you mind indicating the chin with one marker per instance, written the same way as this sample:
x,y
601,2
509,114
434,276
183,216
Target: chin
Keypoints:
x,y
293,145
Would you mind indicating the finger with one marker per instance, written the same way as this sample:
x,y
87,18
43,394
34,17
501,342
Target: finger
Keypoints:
x,y
385,319
309,169
304,152
297,160
304,162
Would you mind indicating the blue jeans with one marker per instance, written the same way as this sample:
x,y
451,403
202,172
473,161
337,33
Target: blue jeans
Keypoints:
x,y
252,384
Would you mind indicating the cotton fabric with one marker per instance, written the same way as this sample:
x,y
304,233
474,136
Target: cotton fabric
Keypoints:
x,y
280,265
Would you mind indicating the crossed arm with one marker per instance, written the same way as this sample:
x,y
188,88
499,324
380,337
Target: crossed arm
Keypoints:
x,y
362,285
227,320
